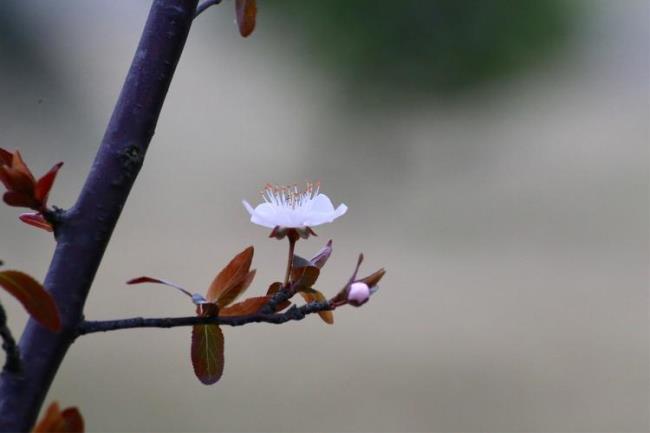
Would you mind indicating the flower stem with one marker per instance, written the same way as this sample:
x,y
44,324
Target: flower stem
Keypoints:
x,y
292,246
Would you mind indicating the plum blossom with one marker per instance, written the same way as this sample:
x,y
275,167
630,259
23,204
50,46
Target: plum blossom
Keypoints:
x,y
288,207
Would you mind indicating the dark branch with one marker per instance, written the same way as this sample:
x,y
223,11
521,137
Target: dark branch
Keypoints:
x,y
283,295
83,231
12,364
203,6
292,314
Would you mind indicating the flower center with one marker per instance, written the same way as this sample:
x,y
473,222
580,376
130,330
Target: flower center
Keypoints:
x,y
290,196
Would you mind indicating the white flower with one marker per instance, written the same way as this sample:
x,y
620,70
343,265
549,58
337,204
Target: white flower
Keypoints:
x,y
289,207
359,293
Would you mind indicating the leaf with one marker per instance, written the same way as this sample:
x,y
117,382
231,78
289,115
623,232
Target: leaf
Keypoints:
x,y
373,279
245,307
19,199
273,289
36,219
29,292
19,164
145,279
304,278
45,183
55,421
299,262
228,296
232,277
322,256
245,10
207,309
5,157
311,295
16,180
22,189
207,353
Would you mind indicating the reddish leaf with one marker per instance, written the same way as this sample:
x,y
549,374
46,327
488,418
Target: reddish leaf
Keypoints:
x,y
18,164
232,277
311,295
36,219
4,176
5,157
229,296
22,188
17,180
38,303
300,262
304,278
246,10
20,199
207,353
145,279
273,289
322,256
282,306
73,420
45,183
245,307
373,279
55,421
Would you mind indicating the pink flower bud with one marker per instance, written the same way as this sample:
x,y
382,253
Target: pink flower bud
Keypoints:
x,y
358,294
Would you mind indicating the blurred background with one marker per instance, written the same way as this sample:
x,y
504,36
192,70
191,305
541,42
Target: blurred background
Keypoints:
x,y
494,157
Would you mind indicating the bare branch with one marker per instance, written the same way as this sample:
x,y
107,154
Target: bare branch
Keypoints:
x,y
292,314
203,6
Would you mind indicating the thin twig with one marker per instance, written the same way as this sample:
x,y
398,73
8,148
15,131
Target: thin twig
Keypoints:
x,y
203,6
292,314
284,294
12,362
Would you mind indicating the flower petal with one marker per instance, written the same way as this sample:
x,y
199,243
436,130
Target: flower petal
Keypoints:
x,y
289,208
262,221
248,207
317,219
321,203
265,209
341,210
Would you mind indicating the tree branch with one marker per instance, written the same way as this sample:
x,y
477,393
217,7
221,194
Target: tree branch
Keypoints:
x,y
203,6
12,363
83,231
292,314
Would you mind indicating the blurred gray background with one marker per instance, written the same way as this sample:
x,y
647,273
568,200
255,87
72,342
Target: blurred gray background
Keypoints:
x,y
494,159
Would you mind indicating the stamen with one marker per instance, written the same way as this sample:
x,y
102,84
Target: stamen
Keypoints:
x,y
290,196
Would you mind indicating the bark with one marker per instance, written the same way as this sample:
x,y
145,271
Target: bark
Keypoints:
x,y
83,232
